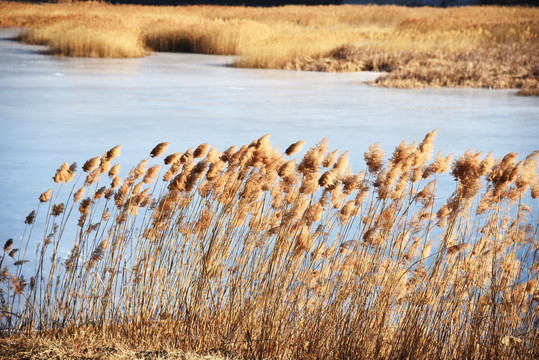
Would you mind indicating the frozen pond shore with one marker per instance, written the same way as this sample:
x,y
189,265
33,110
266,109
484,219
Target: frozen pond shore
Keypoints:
x,y
56,109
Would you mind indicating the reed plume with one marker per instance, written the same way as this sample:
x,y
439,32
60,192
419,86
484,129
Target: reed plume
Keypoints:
x,y
159,149
294,148
45,196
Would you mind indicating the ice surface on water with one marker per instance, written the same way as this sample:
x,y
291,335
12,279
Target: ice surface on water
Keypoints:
x,y
56,109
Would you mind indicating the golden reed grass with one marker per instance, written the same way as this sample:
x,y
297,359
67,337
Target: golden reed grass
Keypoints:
x,y
491,47
254,253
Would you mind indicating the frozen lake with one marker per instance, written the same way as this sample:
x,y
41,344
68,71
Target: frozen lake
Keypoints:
x,y
56,109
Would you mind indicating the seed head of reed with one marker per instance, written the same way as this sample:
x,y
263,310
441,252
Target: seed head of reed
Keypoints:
x,y
173,158
504,172
100,192
12,253
215,169
234,157
426,250
424,150
347,211
97,254
151,173
403,155
45,196
330,158
294,148
57,210
179,181
309,183
313,159
314,213
457,248
79,194
159,149
64,174
535,189
116,182
30,218
173,170
330,179
287,171
114,171
374,158
138,171
195,175
84,206
227,154
73,167
187,156
386,179
352,182
342,162
528,174
213,155
113,153
362,194
401,185
91,164
7,245
426,195
93,176
201,150
371,236
246,158
468,170
72,258
440,165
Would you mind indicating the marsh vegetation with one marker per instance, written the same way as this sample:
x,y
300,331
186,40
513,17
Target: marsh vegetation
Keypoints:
x,y
491,47
252,252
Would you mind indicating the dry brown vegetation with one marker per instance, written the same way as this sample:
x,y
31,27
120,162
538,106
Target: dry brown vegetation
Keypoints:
x,y
86,348
254,253
492,47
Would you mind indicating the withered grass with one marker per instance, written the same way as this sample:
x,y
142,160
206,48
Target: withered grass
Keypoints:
x,y
88,348
254,253
487,47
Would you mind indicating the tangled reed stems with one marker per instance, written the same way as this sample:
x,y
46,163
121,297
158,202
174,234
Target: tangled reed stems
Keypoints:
x,y
254,253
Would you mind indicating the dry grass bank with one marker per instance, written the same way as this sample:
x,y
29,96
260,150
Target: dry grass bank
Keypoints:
x,y
88,348
492,47
256,253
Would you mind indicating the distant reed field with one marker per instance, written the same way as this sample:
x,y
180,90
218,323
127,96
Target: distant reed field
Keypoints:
x,y
489,47
252,252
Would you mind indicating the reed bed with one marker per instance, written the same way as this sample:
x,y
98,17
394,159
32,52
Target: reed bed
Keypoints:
x,y
255,253
491,47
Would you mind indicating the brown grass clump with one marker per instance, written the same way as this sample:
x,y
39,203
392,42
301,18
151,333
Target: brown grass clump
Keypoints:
x,y
248,253
490,67
491,47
